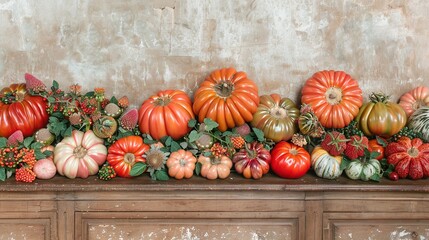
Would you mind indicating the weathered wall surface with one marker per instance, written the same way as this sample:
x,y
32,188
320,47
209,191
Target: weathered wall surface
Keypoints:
x,y
137,47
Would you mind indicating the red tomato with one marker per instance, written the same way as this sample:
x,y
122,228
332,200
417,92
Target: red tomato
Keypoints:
x,y
374,146
289,160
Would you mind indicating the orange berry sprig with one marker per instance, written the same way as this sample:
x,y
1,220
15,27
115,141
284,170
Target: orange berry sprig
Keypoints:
x,y
237,142
26,156
24,175
8,157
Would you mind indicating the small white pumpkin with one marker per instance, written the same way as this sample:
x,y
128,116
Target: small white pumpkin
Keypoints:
x,y
324,164
363,170
419,122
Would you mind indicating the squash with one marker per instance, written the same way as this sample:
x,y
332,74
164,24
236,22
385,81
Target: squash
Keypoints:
x,y
80,155
125,152
381,117
215,167
181,164
253,161
166,114
276,117
419,122
324,164
363,169
410,157
21,111
227,97
414,99
334,96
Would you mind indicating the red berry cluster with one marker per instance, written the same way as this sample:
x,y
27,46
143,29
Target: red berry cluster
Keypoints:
x,y
237,142
7,157
24,175
88,106
26,156
218,150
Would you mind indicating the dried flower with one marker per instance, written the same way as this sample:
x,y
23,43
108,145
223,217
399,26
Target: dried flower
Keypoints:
x,y
299,140
123,102
75,118
155,159
75,89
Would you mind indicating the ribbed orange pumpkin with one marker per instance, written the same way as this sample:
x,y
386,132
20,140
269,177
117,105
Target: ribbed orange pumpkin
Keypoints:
x,y
166,114
227,97
414,99
334,96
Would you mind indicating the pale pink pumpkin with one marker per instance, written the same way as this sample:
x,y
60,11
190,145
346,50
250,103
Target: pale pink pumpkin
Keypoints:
x,y
45,169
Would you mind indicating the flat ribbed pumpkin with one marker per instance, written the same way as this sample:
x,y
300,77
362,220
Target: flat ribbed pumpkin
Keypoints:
x,y
227,97
334,96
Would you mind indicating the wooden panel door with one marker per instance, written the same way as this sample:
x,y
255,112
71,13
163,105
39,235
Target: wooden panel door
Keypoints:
x,y
28,225
189,225
380,226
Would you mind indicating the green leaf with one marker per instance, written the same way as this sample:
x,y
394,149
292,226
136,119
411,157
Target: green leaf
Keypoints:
x,y
58,115
210,124
3,142
68,132
207,153
345,162
194,135
259,134
227,133
28,141
47,153
114,100
168,141
161,175
149,141
375,177
138,169
55,85
174,146
373,155
36,146
183,145
90,94
381,141
2,174
38,154
198,166
249,138
192,123
51,99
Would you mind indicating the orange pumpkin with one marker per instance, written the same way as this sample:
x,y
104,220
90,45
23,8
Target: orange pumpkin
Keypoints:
x,y
215,167
166,114
227,97
181,164
414,99
334,96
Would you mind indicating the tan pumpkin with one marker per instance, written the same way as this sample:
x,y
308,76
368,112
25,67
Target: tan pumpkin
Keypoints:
x,y
276,117
414,99
215,167
181,164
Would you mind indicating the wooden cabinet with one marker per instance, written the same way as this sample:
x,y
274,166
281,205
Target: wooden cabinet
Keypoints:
x,y
236,208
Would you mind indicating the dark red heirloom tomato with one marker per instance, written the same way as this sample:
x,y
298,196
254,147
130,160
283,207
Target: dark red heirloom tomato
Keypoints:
x,y
289,160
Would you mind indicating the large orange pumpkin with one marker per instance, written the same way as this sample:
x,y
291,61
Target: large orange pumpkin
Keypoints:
x,y
334,96
227,97
166,114
414,99
21,111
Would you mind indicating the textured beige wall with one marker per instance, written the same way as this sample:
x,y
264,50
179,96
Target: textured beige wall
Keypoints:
x,y
137,47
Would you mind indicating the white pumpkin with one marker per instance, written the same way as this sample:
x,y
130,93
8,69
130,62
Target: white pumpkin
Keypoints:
x,y
419,122
80,155
363,170
324,164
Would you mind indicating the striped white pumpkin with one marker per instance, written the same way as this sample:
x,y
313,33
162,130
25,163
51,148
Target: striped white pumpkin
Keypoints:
x,y
324,164
419,122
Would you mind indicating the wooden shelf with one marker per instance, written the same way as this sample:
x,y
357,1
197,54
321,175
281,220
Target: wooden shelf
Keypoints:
x,y
235,182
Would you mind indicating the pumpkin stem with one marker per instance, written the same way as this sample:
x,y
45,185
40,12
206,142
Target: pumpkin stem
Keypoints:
x,y
250,153
215,160
379,97
278,112
333,95
417,104
293,151
79,152
224,89
413,152
162,101
129,158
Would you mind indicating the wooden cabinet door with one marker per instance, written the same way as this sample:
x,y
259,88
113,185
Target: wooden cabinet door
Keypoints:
x,y
380,226
189,225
